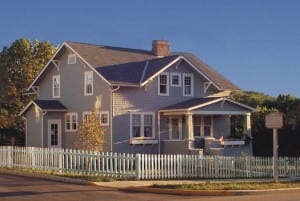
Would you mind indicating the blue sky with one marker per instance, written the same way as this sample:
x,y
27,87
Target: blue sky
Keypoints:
x,y
254,43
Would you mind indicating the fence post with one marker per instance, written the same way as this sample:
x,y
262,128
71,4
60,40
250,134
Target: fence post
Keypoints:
x,y
32,150
138,166
10,157
60,161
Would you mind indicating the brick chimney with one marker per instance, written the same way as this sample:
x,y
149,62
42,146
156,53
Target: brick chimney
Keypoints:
x,y
160,48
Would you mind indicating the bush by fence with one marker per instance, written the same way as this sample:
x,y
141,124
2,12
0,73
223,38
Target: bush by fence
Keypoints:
x,y
145,166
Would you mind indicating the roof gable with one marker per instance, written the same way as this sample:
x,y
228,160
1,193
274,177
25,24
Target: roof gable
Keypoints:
x,y
45,105
198,103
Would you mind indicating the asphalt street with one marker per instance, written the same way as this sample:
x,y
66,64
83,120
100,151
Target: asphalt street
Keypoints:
x,y
25,188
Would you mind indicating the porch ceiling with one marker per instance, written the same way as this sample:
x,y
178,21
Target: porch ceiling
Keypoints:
x,y
210,105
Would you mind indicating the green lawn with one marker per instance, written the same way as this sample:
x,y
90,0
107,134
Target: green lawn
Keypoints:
x,y
232,186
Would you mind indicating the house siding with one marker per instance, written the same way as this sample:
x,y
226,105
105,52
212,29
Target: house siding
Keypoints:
x,y
34,127
146,99
73,98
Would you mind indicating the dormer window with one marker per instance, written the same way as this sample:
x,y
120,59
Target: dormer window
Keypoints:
x,y
163,84
188,84
175,79
72,59
88,83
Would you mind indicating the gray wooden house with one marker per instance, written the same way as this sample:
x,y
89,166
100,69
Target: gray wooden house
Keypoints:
x,y
153,101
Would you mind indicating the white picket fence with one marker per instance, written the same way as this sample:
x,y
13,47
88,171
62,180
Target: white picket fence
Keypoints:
x,y
145,166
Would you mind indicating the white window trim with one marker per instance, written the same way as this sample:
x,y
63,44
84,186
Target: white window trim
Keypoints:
x,y
192,84
142,125
85,113
167,82
107,113
179,79
72,59
57,77
71,114
86,73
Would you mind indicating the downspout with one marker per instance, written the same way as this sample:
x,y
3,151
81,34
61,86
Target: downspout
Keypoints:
x,y
43,114
158,125
111,116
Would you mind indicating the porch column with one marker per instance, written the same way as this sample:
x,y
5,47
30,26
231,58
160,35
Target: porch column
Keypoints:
x,y
189,129
247,124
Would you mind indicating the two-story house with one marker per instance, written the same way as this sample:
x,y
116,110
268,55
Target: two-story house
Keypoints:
x,y
153,101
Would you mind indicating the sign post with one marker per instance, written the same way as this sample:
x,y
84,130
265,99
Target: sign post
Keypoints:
x,y
275,121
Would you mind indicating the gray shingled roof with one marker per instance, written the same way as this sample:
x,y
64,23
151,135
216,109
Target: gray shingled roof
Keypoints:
x,y
115,58
190,103
50,105
134,72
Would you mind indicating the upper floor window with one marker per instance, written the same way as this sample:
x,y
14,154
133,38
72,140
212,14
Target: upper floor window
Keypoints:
x,y
88,83
56,86
188,84
72,59
163,84
71,121
142,125
104,118
175,79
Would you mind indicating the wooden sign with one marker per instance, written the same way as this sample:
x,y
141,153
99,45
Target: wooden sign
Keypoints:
x,y
274,120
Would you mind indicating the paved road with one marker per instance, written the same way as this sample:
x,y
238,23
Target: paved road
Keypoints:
x,y
24,188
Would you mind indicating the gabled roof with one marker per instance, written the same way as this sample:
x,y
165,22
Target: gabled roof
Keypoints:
x,y
197,103
125,66
134,72
117,57
46,105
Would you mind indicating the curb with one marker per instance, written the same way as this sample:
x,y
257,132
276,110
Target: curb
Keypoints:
x,y
144,189
47,177
185,192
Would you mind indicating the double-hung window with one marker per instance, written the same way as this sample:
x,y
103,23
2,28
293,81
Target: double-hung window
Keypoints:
x,y
188,85
56,86
71,121
104,118
175,79
88,83
163,84
142,125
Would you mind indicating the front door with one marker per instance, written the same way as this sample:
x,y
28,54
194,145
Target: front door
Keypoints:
x,y
54,133
175,128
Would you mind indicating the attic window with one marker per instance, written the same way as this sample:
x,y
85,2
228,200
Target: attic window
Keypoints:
x,y
72,59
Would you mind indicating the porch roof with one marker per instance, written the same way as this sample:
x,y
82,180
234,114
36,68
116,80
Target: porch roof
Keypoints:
x,y
45,105
209,105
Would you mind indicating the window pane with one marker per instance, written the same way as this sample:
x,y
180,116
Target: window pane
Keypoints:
x,y
175,80
147,131
163,79
197,130
148,120
104,118
136,131
136,119
187,90
163,89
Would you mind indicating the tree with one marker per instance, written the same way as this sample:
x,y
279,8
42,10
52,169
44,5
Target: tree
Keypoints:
x,y
90,134
19,65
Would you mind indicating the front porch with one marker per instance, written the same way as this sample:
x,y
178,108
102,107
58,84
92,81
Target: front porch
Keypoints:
x,y
206,128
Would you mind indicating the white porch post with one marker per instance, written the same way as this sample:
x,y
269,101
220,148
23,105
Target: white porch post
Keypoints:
x,y
189,129
247,124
